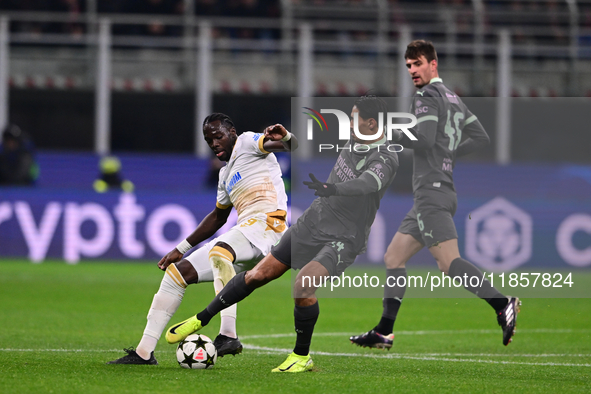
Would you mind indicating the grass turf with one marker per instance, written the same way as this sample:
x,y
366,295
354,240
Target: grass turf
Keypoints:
x,y
61,323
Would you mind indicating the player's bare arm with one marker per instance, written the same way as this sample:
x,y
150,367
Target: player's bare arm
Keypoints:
x,y
278,139
207,228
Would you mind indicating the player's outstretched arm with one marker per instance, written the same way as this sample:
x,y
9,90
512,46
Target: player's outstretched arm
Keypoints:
x,y
208,227
278,139
372,180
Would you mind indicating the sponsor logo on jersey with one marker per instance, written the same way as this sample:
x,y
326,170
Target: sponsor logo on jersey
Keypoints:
x,y
233,182
377,171
421,110
344,172
447,165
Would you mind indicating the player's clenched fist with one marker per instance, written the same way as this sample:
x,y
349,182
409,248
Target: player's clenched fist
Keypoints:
x,y
275,132
173,256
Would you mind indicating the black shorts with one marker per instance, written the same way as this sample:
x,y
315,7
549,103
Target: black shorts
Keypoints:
x,y
300,245
430,220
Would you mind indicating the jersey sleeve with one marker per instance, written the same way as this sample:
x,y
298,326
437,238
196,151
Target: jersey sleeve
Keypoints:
x,y
378,174
253,142
426,109
223,199
382,169
476,136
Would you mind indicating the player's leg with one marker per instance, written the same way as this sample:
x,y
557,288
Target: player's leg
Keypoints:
x,y
406,243
331,261
305,315
238,288
306,308
164,304
400,250
437,207
230,248
449,261
223,270
447,255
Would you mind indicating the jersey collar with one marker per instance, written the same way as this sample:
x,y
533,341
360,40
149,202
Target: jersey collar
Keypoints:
x,y
375,144
436,79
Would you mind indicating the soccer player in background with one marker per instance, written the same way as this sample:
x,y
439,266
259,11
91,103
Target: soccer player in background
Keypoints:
x,y
251,182
442,119
325,240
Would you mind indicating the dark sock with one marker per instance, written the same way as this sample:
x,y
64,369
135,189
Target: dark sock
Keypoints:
x,y
498,303
392,300
305,318
235,291
460,267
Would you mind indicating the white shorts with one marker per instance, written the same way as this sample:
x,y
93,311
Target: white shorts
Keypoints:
x,y
263,230
247,255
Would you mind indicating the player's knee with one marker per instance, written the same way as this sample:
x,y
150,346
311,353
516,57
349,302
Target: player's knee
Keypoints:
x,y
305,286
224,245
222,251
443,265
186,271
173,282
392,260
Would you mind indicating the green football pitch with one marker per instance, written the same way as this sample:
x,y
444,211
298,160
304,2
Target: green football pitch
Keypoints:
x,y
61,323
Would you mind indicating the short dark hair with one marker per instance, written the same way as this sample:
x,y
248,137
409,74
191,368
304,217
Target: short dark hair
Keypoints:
x,y
419,48
370,106
223,118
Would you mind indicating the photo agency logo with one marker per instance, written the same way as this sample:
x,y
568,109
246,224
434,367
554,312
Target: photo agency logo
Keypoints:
x,y
345,130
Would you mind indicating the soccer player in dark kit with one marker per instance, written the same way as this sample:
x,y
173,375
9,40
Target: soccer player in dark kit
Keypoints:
x,y
327,237
442,119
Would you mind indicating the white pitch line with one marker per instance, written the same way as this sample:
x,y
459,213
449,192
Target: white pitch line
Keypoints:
x,y
407,356
435,332
269,350
254,347
60,350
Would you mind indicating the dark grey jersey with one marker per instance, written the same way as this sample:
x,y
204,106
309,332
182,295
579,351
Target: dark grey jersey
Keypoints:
x,y
362,178
442,119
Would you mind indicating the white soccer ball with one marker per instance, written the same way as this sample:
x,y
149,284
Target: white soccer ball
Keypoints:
x,y
196,352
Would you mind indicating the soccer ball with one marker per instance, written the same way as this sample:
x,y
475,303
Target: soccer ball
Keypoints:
x,y
196,352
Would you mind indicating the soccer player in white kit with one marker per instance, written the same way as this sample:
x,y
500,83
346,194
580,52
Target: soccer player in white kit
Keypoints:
x,y
250,182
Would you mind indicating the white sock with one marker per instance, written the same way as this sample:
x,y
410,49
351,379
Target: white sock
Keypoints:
x,y
223,271
228,326
166,302
228,315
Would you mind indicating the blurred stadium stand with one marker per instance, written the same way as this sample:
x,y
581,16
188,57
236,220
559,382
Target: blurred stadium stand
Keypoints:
x,y
87,77
255,51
